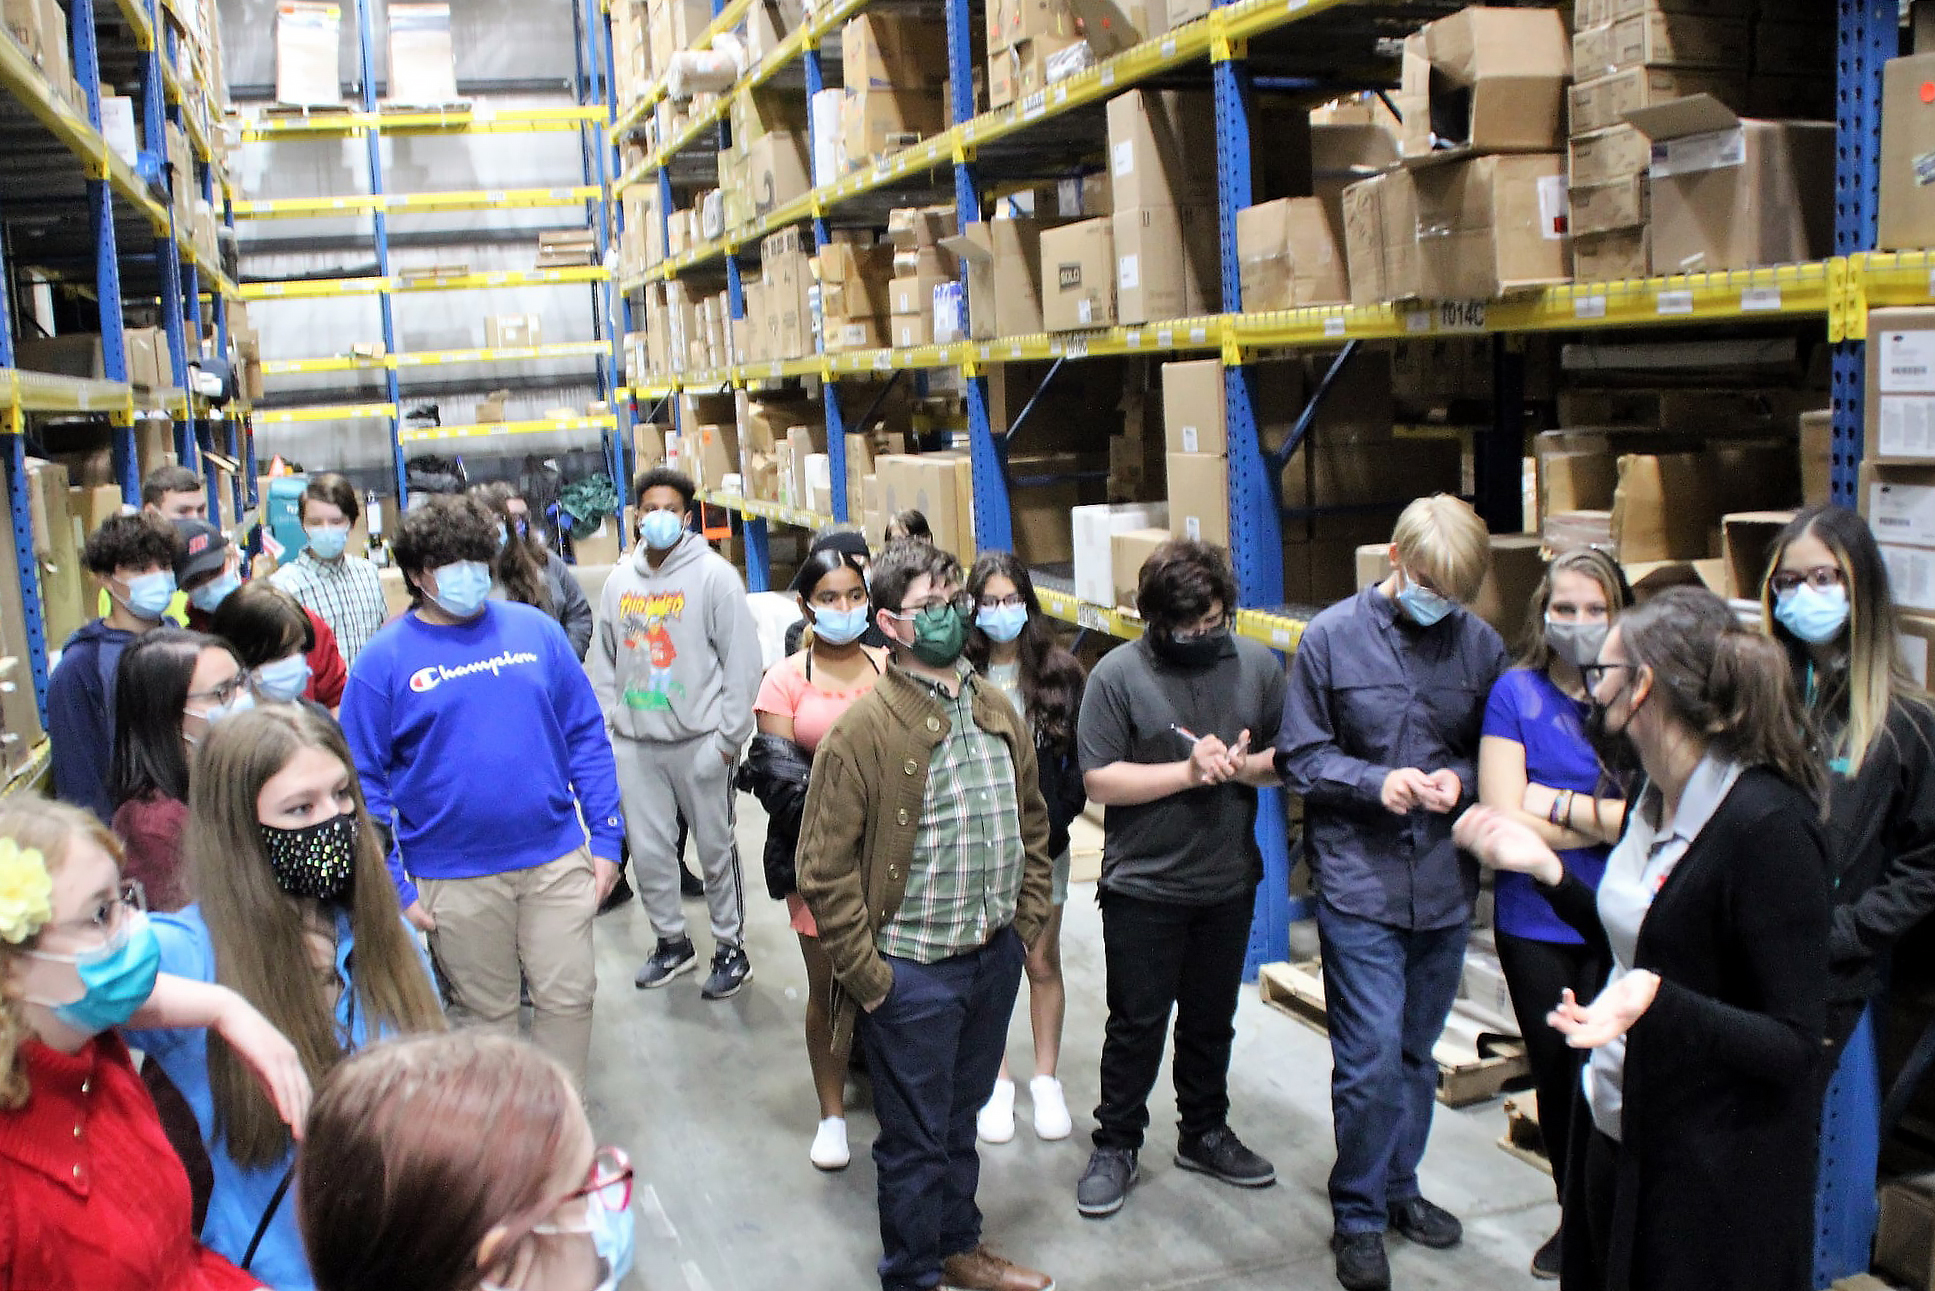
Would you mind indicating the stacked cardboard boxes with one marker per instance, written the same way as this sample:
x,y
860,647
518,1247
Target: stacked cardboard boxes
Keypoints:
x,y
1196,439
1004,276
786,278
854,279
895,68
1162,182
1031,43
769,164
1898,460
924,271
938,485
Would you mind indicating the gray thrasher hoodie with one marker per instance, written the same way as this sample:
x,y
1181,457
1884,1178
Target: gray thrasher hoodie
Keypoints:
x,y
676,653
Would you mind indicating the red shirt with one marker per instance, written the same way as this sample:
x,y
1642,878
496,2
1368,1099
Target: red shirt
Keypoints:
x,y
92,1198
327,672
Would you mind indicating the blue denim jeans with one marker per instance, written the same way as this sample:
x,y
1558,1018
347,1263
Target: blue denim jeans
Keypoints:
x,y
934,1047
1387,991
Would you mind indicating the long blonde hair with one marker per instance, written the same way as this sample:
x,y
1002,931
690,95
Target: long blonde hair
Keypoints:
x,y
258,930
1851,705
31,822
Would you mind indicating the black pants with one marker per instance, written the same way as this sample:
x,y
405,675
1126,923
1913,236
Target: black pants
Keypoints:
x,y
1160,957
1588,1244
1538,972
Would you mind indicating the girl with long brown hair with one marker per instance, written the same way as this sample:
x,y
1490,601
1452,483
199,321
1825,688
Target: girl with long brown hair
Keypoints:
x,y
296,913
531,573
1826,600
1693,1148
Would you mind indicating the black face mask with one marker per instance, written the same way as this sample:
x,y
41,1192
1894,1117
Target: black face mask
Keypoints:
x,y
314,861
1195,653
1614,749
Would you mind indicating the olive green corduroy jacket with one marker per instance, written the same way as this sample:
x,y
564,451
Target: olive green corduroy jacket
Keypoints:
x,y
863,810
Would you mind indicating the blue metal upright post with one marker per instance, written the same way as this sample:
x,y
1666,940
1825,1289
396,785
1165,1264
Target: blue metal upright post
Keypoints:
x,y
107,258
20,513
993,517
366,43
599,59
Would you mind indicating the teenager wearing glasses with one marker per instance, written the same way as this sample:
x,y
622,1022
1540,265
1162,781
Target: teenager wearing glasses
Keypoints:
x,y
1536,765
1693,1160
1013,646
397,1189
294,910
1826,600
92,1197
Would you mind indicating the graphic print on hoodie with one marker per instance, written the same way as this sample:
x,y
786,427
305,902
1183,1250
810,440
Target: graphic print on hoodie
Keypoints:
x,y
641,618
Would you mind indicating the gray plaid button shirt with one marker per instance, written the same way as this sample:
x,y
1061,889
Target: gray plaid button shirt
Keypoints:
x,y
347,594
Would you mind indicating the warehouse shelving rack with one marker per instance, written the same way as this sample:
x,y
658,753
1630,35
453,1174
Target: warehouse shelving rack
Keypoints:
x,y
587,119
1298,37
79,216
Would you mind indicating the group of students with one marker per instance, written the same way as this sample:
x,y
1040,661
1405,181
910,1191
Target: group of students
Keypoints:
x,y
1687,974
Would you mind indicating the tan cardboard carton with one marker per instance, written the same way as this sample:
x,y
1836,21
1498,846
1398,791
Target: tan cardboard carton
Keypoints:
x,y
877,121
1489,80
1491,225
1078,276
1907,210
777,171
1607,257
1199,497
1129,551
1166,263
1004,276
1381,238
1193,417
1605,100
1158,148
1661,40
1288,255
882,50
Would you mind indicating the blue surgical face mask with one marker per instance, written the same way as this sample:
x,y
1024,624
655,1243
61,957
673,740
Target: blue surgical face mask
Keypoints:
x,y
327,541
462,588
149,594
1002,622
242,702
209,596
660,529
1816,617
840,627
283,681
613,1235
1424,606
116,979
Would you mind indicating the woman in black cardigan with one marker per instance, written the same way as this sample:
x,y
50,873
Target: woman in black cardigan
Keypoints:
x,y
1694,1149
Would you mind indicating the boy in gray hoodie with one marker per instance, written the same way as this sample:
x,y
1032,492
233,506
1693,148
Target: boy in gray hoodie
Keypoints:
x,y
675,663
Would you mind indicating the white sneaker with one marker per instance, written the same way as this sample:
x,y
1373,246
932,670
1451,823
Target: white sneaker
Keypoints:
x,y
1051,1109
830,1145
996,1123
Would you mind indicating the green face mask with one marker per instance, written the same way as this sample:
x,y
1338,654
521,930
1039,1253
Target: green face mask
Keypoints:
x,y
940,634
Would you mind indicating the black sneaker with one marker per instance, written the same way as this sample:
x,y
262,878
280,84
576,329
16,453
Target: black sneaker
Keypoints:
x,y
690,884
671,959
1547,1263
1105,1184
1221,1155
730,971
1426,1224
1361,1265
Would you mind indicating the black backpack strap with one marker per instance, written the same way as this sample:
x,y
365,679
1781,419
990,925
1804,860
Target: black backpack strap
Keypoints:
x,y
275,1204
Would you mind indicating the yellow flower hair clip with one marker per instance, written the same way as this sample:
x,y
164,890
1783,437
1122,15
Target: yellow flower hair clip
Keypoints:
x,y
26,892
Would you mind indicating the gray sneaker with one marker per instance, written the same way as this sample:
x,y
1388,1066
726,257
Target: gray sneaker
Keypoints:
x,y
1105,1184
671,959
730,971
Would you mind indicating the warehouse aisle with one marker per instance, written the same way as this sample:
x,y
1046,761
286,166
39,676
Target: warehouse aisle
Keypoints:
x,y
713,1103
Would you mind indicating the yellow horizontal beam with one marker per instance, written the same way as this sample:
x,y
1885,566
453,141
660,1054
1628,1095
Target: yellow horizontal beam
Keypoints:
x,y
32,776
725,20
490,430
761,510
48,392
333,412
1276,631
436,358
338,125
287,208
396,283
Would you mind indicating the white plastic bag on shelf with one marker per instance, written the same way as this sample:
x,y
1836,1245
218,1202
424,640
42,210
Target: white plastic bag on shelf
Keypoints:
x,y
703,71
1066,62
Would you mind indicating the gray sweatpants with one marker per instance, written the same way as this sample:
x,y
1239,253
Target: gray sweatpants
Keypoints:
x,y
659,783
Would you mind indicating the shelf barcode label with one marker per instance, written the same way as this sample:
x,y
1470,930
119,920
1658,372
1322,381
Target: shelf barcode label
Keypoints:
x,y
1077,349
1589,307
1760,300
1166,338
1675,302
1169,47
1132,339
883,361
1334,326
1090,617
1034,105
1415,322
1461,315
1108,77
1198,335
1280,637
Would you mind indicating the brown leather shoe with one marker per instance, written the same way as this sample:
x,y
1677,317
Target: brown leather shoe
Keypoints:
x,y
982,1270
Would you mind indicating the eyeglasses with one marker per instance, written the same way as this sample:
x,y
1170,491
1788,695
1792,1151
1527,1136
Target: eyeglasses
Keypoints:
x,y
1002,602
225,691
1786,582
960,601
609,1182
1594,673
110,915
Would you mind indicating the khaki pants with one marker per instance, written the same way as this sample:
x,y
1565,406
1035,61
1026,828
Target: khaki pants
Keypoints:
x,y
537,920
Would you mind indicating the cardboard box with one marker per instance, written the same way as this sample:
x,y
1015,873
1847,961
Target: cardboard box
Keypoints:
x,y
886,50
1039,520
1159,153
1906,217
1911,577
492,407
1605,207
1608,257
57,550
1914,634
1078,275
778,171
423,63
1129,551
908,330
759,111
513,331
20,729
76,354
1817,458
1745,539
1193,419
1901,385
1616,152
1199,497
1009,22
1166,263
1381,238
150,366
1489,80
1026,68
1111,26
1732,193
1491,225
1004,277
1605,100
1288,255
308,43
1661,40
877,121
1092,530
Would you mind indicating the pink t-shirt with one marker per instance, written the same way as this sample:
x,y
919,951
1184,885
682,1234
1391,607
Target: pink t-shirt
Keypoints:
x,y
813,707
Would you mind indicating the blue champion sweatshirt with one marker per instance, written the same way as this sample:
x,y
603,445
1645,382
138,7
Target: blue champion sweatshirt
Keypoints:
x,y
480,742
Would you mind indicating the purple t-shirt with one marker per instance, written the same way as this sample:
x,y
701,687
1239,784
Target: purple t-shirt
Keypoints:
x,y
1526,708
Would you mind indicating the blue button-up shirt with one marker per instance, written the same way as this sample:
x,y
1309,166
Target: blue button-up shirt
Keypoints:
x,y
1370,692
241,1194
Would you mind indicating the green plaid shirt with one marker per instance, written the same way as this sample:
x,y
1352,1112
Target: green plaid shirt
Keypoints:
x,y
965,876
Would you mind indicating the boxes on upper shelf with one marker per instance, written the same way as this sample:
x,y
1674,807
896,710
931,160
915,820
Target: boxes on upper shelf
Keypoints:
x,y
1193,419
1485,80
1906,216
1158,153
1166,263
1029,66
885,50
1604,101
1004,276
1093,528
513,331
1288,256
1078,275
876,121
777,171
308,44
1111,26
1655,39
423,63
1900,398
1492,225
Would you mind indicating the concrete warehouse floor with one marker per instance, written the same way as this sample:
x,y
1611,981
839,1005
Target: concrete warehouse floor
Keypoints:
x,y
714,1104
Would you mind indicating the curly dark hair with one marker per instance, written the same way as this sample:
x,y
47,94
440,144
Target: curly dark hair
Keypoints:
x,y
1180,581
664,477
900,563
130,542
447,528
517,565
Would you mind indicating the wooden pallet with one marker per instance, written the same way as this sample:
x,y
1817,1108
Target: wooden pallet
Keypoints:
x,y
1474,1063
1522,1138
